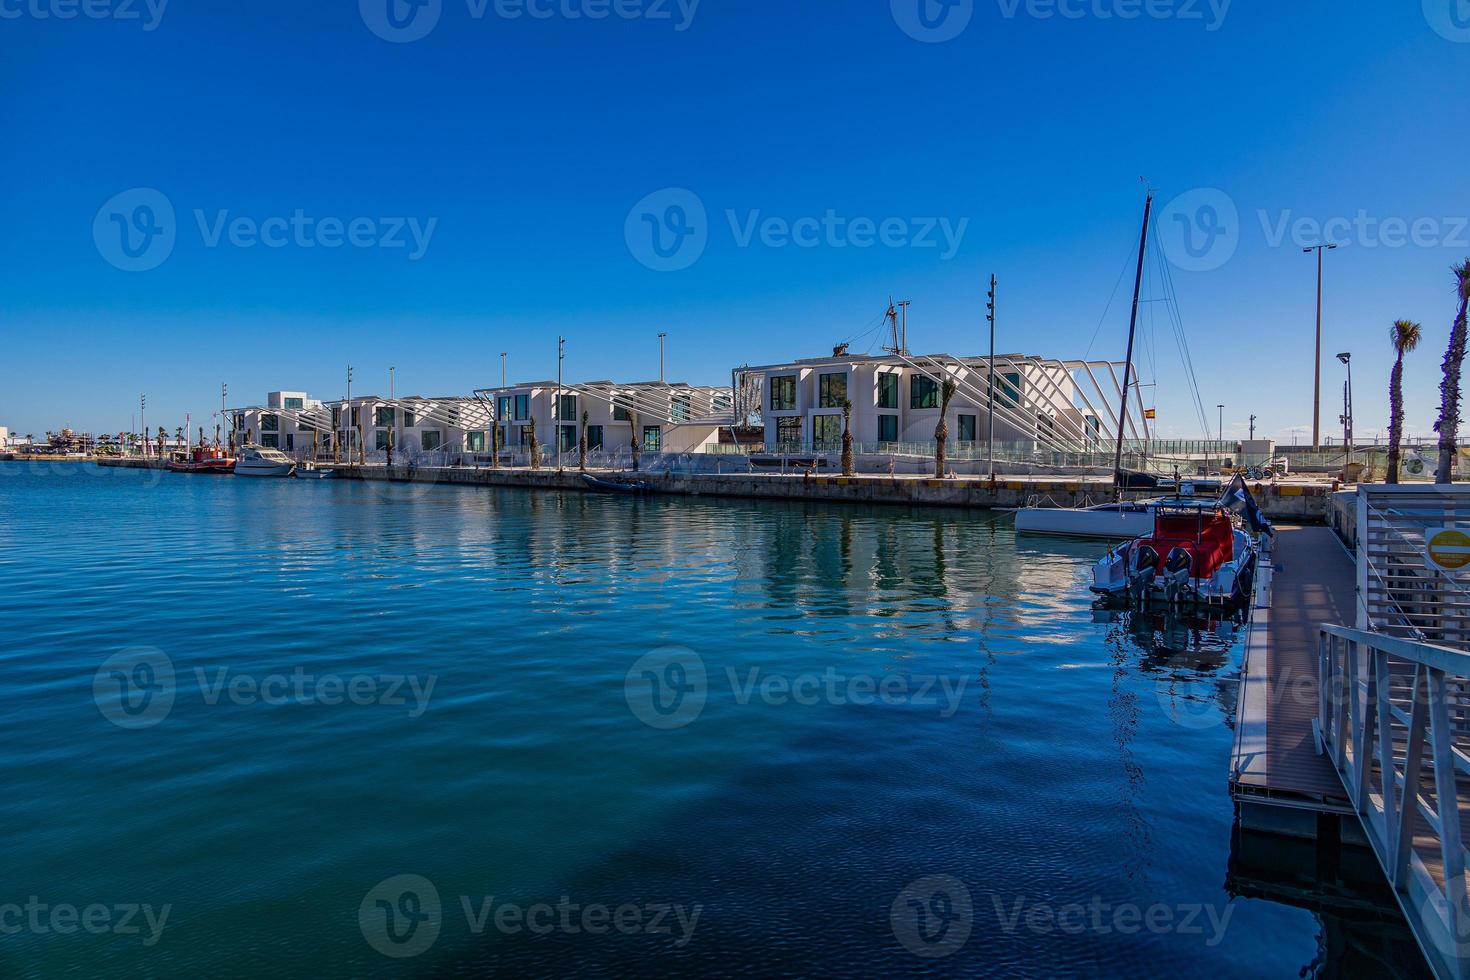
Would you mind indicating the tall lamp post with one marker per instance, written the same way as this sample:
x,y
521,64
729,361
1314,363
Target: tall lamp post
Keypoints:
x,y
661,338
561,355
1317,361
1347,406
990,375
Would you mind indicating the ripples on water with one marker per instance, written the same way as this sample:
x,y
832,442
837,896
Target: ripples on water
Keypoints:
x,y
1084,760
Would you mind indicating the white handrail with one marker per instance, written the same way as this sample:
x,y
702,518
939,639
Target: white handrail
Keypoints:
x,y
1387,759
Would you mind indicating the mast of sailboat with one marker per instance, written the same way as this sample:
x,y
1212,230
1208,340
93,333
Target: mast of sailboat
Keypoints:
x,y
1148,206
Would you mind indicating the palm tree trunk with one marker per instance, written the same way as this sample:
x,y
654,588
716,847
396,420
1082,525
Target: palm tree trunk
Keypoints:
x,y
1395,418
1448,425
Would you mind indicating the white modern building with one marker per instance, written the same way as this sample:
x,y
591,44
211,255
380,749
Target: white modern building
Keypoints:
x,y
367,427
661,417
1044,404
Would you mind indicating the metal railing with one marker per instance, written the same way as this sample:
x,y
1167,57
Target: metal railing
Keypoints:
x,y
1392,720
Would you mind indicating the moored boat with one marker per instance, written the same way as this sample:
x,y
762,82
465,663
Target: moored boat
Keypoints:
x,y
1194,555
1121,520
201,459
263,461
597,485
312,471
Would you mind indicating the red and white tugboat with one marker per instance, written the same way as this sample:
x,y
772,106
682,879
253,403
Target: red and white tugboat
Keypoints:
x,y
202,459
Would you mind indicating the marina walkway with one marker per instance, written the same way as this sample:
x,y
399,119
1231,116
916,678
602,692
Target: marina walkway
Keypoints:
x,y
1276,761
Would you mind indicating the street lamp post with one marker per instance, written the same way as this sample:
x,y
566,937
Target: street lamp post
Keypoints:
x,y
1220,432
561,355
1347,405
502,369
661,338
1317,361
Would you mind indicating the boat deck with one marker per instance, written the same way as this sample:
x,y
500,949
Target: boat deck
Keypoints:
x,y
1276,761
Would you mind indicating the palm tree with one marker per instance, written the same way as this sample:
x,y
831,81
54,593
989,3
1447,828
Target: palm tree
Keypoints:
x,y
633,424
941,431
582,445
1404,335
495,444
1448,425
847,467
535,446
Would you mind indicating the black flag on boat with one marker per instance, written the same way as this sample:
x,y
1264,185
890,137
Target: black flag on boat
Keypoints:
x,y
1238,500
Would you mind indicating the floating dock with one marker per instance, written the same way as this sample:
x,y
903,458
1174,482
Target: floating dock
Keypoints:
x,y
1277,775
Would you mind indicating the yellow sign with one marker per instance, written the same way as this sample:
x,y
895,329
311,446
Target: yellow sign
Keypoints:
x,y
1449,548
1150,413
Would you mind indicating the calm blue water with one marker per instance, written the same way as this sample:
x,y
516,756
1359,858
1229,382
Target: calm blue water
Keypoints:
x,y
1021,759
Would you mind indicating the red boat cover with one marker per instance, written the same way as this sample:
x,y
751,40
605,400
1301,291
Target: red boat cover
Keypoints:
x,y
1207,537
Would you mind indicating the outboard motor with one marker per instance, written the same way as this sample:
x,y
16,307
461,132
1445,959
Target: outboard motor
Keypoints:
x,y
1143,565
1176,574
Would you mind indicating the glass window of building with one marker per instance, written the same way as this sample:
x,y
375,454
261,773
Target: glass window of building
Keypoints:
x,y
567,440
783,393
383,415
568,408
923,392
409,419
502,407
621,415
967,428
653,438
523,407
681,405
381,440
474,442
594,437
827,431
832,390
888,428
430,439
295,403
887,391
788,434
270,440
270,423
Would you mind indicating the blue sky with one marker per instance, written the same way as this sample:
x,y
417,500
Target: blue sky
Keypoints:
x,y
520,148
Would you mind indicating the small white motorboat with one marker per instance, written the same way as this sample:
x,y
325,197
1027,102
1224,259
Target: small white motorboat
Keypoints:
x,y
263,461
311,471
1122,520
